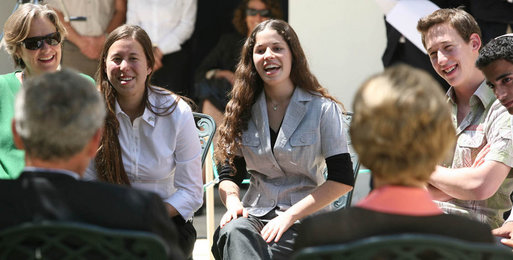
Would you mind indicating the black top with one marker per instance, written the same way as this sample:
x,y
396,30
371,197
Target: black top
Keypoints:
x,y
357,223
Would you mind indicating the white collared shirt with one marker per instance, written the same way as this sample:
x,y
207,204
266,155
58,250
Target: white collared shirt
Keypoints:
x,y
162,154
169,23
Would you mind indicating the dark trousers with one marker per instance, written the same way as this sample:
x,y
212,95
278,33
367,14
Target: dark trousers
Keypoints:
x,y
73,58
241,239
186,235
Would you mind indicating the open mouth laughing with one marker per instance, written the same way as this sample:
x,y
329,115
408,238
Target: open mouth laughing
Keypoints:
x,y
271,68
449,70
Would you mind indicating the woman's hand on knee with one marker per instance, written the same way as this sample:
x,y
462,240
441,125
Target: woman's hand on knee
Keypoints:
x,y
233,213
277,227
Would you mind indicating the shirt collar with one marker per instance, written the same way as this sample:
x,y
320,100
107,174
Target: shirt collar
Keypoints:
x,y
483,94
147,115
400,200
75,175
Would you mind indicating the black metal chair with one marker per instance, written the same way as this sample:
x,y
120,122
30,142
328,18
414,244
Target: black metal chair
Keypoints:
x,y
406,247
206,130
73,240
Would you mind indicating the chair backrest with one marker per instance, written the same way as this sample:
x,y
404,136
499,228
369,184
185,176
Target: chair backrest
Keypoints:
x,y
345,200
406,246
206,130
72,240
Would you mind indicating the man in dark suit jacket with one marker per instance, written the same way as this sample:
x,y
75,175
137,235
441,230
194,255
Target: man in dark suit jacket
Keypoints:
x,y
58,122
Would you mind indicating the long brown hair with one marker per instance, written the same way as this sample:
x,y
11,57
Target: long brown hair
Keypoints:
x,y
109,162
248,85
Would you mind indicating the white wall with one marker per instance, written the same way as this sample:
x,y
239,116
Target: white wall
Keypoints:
x,y
6,7
343,41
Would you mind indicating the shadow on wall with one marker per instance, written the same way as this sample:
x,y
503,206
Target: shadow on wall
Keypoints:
x,y
6,64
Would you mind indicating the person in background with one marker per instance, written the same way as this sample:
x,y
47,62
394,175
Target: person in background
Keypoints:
x,y
466,184
494,17
58,121
169,23
85,38
496,61
33,37
215,76
401,129
285,128
150,140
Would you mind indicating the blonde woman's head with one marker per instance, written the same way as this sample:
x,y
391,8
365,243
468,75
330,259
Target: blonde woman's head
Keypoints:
x,y
401,126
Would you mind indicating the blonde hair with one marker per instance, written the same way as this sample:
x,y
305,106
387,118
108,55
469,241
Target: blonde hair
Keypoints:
x,y
402,125
17,28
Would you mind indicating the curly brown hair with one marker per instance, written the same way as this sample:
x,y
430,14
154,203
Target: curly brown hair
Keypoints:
x,y
239,16
248,85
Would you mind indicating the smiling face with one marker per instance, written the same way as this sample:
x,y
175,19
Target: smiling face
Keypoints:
x,y
272,58
45,59
253,20
452,58
127,68
499,77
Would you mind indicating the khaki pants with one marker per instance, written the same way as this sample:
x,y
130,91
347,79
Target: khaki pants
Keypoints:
x,y
74,59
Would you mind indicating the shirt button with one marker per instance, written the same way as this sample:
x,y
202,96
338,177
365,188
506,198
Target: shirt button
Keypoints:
x,y
273,202
303,139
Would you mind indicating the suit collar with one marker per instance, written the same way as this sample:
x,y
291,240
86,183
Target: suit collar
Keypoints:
x,y
261,121
296,110
49,173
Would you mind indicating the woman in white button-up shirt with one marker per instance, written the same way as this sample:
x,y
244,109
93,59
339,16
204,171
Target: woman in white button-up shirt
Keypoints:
x,y
284,128
150,139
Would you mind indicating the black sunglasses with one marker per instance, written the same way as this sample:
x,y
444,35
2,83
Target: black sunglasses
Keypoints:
x,y
254,12
35,43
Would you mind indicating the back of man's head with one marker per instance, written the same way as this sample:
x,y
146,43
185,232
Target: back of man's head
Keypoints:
x,y
57,114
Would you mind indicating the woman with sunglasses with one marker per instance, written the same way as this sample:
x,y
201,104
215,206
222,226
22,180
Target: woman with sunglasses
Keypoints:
x,y
285,129
215,76
32,36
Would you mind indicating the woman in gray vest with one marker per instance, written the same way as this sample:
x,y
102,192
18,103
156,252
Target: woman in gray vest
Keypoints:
x,y
284,128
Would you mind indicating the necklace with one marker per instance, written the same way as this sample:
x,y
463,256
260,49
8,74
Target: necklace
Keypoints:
x,y
275,106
